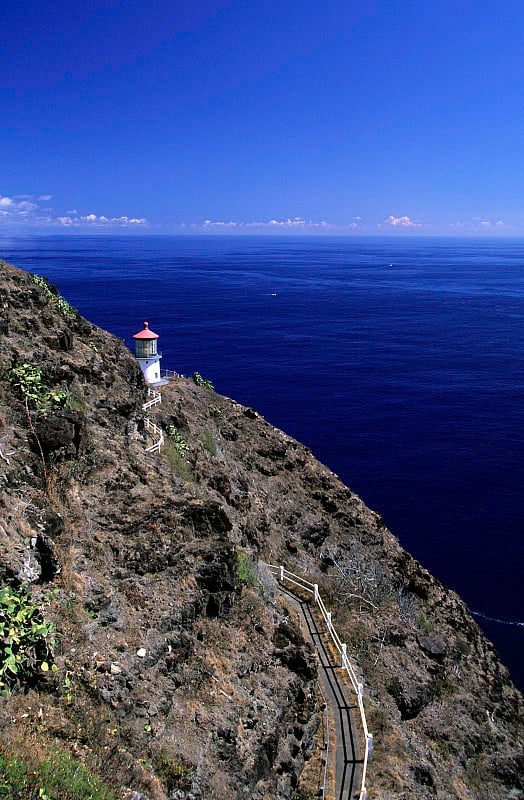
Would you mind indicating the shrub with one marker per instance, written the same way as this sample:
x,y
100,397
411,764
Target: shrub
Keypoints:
x,y
197,378
26,639
179,443
60,302
27,378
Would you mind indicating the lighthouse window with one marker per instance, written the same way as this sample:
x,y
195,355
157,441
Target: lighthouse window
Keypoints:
x,y
145,348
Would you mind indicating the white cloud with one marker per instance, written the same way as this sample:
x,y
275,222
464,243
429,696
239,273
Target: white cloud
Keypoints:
x,y
100,221
498,224
404,222
17,206
477,224
210,224
295,223
26,211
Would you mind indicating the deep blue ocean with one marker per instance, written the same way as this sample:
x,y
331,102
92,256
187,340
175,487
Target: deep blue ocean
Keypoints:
x,y
398,361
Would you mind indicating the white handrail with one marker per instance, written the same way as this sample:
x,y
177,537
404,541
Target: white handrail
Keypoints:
x,y
156,398
150,426
282,574
156,431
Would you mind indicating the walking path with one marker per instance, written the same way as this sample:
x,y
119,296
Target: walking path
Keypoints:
x,y
347,714
348,763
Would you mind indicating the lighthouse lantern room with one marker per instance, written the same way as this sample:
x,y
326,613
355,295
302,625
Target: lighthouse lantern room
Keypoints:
x,y
147,354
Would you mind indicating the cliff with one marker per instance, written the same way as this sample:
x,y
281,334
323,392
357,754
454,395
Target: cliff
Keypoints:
x,y
180,671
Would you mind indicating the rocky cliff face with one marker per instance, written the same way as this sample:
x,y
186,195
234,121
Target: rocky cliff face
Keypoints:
x,y
180,671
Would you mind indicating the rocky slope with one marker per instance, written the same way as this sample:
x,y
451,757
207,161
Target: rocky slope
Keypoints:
x,y
180,671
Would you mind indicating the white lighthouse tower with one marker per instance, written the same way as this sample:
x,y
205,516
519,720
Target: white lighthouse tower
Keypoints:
x,y
147,354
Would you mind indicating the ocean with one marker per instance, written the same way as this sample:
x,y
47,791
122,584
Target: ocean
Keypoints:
x,y
397,360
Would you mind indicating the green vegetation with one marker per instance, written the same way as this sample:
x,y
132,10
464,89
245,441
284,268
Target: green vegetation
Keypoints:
x,y
197,378
27,378
209,442
425,625
60,302
75,400
26,639
245,570
177,461
179,443
174,773
58,776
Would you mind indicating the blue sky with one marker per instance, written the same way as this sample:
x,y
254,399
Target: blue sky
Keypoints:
x,y
234,116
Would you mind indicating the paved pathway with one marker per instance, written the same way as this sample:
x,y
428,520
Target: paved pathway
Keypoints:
x,y
341,707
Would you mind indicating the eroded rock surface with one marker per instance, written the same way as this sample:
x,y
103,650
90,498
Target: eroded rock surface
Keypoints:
x,y
181,674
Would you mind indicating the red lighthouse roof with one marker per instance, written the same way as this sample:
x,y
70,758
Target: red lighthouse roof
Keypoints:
x,y
146,333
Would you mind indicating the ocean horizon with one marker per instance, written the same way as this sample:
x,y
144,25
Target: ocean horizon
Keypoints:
x,y
398,361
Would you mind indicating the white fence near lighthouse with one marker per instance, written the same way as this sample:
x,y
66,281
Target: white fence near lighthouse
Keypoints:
x,y
155,398
283,575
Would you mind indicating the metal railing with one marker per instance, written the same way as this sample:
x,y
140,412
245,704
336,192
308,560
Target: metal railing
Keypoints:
x,y
282,574
149,425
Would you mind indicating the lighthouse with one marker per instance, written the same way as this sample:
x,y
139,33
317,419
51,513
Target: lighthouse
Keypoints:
x,y
147,354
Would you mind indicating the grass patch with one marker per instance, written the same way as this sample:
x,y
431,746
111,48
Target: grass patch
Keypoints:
x,y
425,625
177,462
209,442
245,570
176,774
58,776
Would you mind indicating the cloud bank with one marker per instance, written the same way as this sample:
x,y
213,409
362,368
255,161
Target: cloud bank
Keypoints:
x,y
294,223
96,221
23,212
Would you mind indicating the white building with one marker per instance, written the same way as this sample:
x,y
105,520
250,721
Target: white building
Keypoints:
x,y
147,354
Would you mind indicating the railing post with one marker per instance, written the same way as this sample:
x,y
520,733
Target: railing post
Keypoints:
x,y
363,794
344,655
328,621
360,692
315,588
369,745
281,573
